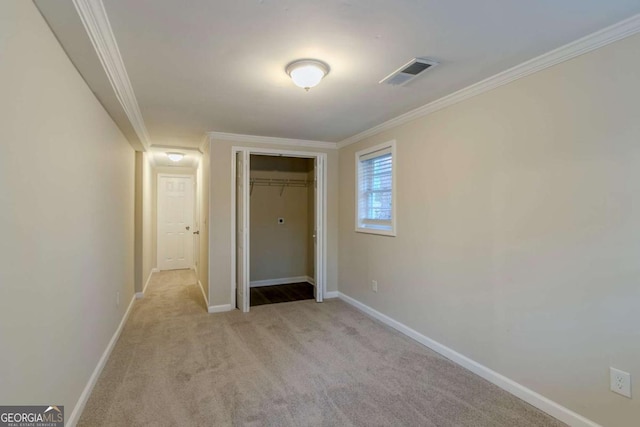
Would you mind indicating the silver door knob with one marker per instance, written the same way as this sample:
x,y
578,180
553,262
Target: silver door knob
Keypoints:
x,y
188,228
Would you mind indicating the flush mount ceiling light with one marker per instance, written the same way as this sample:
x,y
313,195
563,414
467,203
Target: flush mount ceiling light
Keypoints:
x,y
175,157
307,73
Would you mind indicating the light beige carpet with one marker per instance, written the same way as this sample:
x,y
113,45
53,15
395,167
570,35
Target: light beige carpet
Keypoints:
x,y
290,364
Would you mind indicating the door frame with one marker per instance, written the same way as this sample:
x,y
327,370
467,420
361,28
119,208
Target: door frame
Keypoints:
x,y
157,196
320,207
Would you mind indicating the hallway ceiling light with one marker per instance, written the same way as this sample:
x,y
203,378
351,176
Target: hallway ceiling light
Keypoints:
x,y
175,157
307,73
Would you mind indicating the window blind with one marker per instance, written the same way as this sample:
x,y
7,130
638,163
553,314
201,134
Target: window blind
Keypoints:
x,y
375,190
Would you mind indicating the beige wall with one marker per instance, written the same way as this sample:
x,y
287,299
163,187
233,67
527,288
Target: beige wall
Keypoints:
x,y
148,218
278,250
220,218
138,230
67,218
203,188
518,231
144,252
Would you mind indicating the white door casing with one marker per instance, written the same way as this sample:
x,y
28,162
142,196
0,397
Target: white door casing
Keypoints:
x,y
314,188
175,221
242,231
319,236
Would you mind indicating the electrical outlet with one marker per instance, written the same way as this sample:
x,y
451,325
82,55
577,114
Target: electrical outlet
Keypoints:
x,y
620,382
118,299
374,285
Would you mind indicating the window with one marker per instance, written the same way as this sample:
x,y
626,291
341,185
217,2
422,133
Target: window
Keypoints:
x,y
375,190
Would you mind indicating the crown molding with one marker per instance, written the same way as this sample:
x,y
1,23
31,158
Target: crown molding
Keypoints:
x,y
608,35
96,22
254,139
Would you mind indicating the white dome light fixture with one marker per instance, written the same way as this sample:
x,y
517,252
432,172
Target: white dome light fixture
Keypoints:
x,y
307,73
175,157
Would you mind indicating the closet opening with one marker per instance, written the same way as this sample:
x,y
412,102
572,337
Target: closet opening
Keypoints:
x,y
281,229
278,214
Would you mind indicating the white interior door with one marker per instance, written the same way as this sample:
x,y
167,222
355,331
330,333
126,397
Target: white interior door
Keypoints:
x,y
175,222
242,232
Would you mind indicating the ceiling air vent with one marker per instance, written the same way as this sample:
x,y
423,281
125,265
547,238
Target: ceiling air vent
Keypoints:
x,y
408,71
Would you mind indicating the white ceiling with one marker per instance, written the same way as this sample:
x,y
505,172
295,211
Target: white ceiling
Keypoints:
x,y
206,65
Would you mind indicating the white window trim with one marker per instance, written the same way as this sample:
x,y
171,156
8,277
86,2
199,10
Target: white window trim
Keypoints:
x,y
387,145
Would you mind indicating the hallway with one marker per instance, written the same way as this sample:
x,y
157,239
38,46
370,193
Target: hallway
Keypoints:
x,y
299,363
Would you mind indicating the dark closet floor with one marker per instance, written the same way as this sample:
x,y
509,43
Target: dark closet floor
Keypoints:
x,y
281,293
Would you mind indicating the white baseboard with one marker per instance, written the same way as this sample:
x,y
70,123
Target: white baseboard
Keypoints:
x,y
281,281
82,401
146,284
311,280
219,308
331,294
140,295
547,405
206,300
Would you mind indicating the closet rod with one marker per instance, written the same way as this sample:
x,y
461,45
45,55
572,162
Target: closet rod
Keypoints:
x,y
278,182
